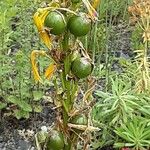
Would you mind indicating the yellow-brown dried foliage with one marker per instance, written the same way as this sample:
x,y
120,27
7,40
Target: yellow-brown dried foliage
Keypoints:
x,y
140,14
140,11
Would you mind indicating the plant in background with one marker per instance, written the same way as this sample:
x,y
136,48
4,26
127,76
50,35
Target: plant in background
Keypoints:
x,y
59,26
116,107
102,40
120,102
19,96
136,38
5,32
140,11
134,134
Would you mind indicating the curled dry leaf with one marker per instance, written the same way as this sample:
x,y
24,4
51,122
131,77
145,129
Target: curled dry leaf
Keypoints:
x,y
83,127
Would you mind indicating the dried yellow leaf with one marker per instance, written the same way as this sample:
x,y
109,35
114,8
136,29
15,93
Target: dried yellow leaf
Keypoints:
x,y
83,127
96,3
50,70
34,55
46,38
39,22
92,12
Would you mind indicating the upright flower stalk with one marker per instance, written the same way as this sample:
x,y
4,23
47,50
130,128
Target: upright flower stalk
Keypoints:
x,y
59,26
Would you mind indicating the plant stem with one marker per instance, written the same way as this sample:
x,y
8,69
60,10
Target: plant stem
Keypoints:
x,y
66,87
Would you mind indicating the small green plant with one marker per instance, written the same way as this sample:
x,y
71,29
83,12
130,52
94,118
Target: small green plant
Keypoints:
x,y
117,106
135,133
18,91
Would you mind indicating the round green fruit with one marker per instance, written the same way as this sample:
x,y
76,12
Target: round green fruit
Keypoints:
x,y
81,67
80,120
56,141
56,22
79,25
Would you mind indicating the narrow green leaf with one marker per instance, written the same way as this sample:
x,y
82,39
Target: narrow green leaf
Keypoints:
x,y
119,145
25,106
67,64
12,99
102,94
2,105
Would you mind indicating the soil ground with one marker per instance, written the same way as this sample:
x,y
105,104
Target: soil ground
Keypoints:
x,y
19,134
